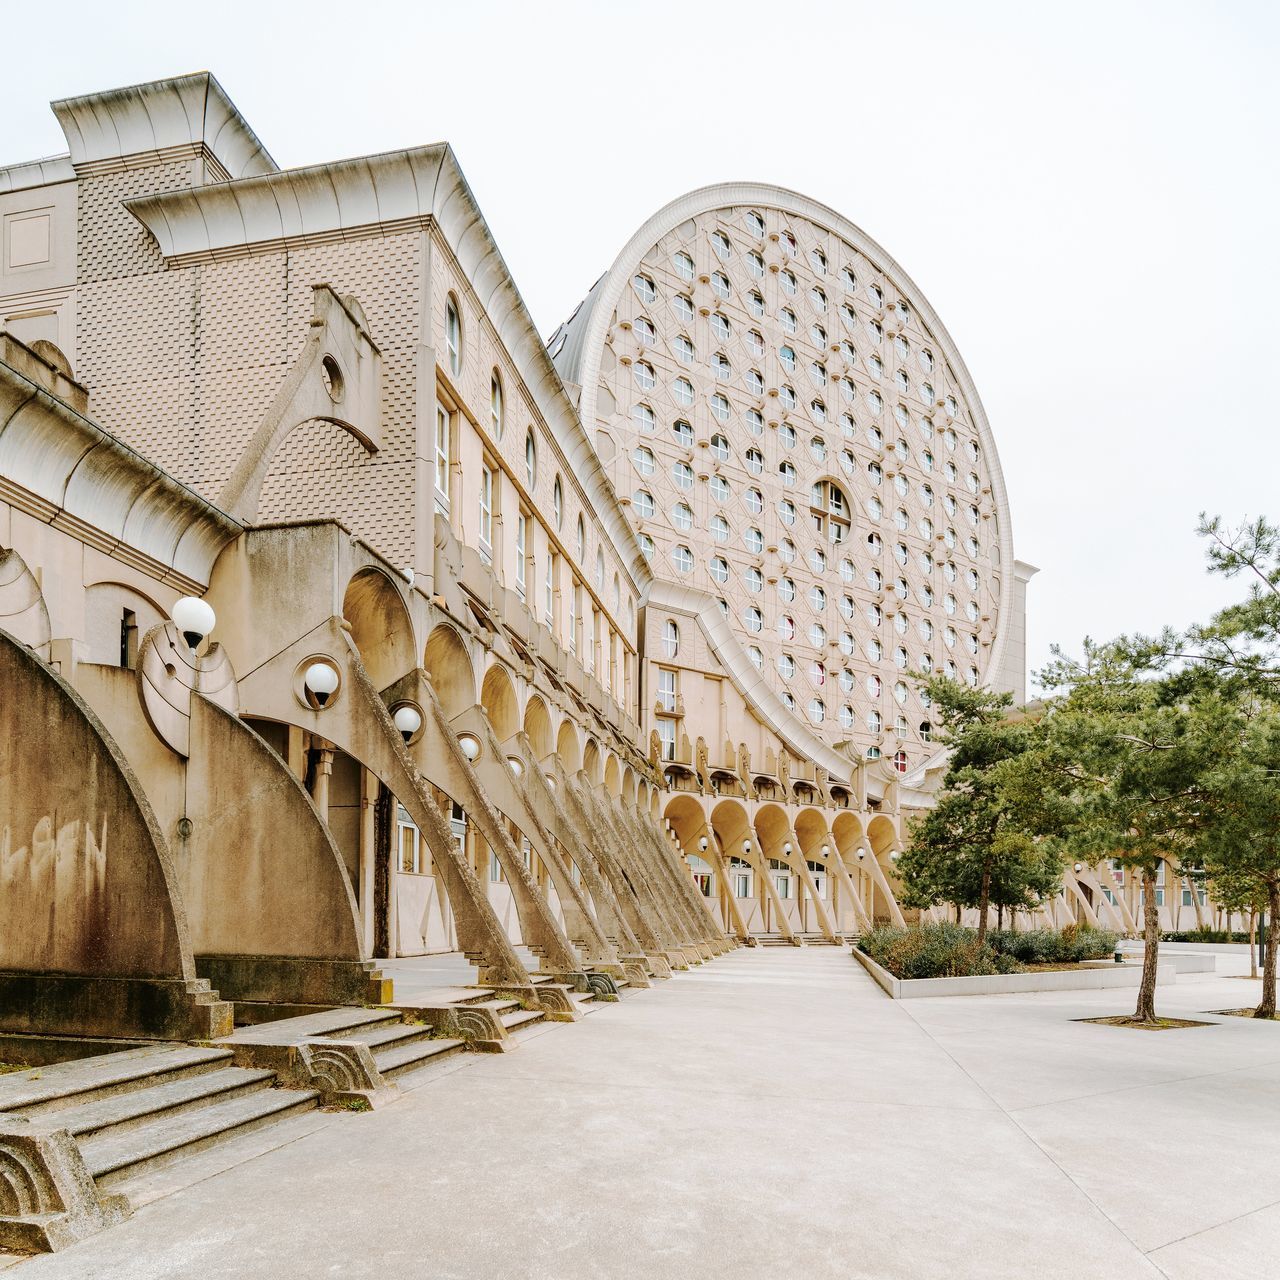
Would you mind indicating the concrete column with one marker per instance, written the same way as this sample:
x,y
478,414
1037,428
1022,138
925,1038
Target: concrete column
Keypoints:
x,y
324,771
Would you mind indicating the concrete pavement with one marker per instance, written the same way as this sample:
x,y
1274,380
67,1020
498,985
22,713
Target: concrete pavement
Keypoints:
x,y
770,1114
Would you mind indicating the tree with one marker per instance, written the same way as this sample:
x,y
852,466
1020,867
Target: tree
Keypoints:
x,y
1238,846
1126,752
968,849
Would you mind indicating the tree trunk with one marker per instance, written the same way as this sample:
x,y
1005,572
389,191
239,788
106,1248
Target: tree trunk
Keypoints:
x,y
1267,1009
1146,1010
984,904
1253,940
1000,915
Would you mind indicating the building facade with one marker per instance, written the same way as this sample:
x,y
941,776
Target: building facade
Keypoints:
x,y
656,589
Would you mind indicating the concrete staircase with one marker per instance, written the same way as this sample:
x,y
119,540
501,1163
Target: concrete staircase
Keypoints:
x,y
137,1110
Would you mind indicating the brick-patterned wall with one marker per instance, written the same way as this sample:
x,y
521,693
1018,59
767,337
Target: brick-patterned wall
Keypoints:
x,y
183,364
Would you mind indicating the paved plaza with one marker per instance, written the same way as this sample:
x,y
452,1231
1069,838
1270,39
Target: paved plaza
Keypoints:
x,y
769,1114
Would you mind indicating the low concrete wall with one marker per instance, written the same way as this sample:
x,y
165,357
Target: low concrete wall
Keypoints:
x,y
1194,959
1098,975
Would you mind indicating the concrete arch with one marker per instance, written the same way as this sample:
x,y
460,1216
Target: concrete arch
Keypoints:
x,y
380,626
498,697
629,791
591,763
105,604
773,829
537,727
448,663
23,612
612,776
568,747
813,834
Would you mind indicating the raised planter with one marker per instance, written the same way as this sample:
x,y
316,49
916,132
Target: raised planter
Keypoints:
x,y
1093,975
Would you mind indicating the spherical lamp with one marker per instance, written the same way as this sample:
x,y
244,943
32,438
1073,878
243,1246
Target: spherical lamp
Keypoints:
x,y
194,618
408,720
470,746
321,681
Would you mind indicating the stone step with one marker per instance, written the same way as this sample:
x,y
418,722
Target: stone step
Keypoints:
x,y
401,1058
518,1019
312,1026
121,1111
499,1006
113,1157
41,1090
386,1034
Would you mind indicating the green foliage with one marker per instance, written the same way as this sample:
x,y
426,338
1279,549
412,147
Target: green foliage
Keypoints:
x,y
1205,935
970,849
953,951
929,951
1048,946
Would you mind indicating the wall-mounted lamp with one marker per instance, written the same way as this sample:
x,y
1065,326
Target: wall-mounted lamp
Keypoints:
x,y
826,850
746,846
1079,867
516,765
321,681
194,618
408,720
702,844
862,853
470,746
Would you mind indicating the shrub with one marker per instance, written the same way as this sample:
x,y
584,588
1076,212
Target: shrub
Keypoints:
x,y
1048,946
929,951
1205,935
952,951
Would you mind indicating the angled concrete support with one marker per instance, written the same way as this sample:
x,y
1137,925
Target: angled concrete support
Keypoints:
x,y
93,934
357,720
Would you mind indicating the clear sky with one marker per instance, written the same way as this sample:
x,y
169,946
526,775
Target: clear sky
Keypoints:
x,y
1087,193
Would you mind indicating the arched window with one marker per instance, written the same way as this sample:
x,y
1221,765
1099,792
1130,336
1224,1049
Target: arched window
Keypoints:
x,y
530,460
580,537
453,334
557,503
670,638
496,408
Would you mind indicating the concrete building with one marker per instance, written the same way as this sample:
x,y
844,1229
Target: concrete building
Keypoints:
x,y
343,619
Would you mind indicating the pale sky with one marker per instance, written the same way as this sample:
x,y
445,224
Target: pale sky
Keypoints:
x,y
1086,192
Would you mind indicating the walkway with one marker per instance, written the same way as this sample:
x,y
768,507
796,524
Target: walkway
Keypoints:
x,y
771,1114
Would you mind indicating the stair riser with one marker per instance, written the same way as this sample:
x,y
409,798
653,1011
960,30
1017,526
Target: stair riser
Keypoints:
x,y
115,1178
420,1065
165,1113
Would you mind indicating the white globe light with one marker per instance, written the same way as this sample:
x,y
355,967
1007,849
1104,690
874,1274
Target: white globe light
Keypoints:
x,y
894,856
1079,867
408,575
194,618
862,853
826,851
746,846
702,844
551,784
517,766
321,681
470,746
408,721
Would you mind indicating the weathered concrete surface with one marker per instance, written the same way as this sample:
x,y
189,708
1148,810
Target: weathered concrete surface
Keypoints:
x,y
773,1114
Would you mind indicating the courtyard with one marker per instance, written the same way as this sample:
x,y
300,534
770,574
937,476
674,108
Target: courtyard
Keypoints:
x,y
769,1114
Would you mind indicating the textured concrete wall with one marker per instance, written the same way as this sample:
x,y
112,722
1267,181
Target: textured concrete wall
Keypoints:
x,y
261,874
86,886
